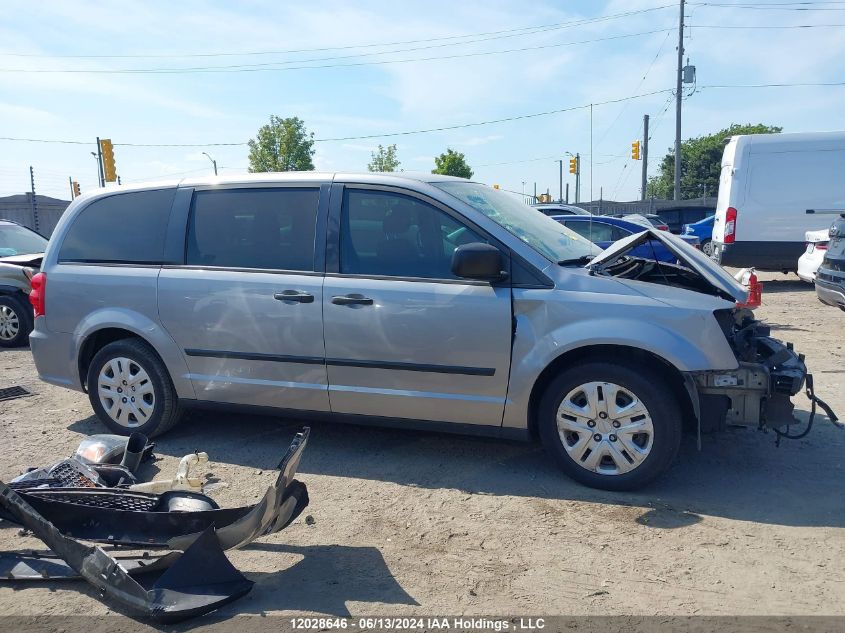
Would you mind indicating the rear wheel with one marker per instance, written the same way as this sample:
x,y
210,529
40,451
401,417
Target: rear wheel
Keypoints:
x,y
130,389
610,426
707,247
15,321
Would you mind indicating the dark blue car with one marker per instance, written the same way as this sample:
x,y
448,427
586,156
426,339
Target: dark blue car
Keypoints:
x,y
603,231
703,230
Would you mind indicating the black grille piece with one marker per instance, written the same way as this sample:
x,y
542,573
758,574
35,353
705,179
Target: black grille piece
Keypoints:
x,y
99,498
10,393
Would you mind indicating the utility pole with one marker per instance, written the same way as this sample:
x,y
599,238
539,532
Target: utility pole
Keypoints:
x,y
645,156
560,163
567,193
33,203
577,178
70,183
535,191
100,163
678,95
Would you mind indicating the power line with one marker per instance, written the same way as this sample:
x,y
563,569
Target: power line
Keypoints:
x,y
362,137
769,6
447,127
639,85
274,66
527,30
822,84
764,26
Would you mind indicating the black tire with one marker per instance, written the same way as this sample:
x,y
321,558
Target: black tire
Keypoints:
x,y
166,410
22,311
654,393
704,246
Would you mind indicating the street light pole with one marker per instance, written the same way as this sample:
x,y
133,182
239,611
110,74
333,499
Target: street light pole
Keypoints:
x,y
99,166
560,162
213,162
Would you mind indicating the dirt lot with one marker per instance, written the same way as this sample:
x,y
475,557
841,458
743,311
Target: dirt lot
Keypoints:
x,y
419,523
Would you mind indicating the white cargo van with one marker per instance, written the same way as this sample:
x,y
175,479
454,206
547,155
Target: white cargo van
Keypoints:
x,y
768,189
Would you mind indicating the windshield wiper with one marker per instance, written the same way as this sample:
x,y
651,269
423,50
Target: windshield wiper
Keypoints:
x,y
584,259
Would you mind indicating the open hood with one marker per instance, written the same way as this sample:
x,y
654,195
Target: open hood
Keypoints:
x,y
710,272
30,259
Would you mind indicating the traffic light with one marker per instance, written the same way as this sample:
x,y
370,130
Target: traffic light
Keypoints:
x,y
495,186
635,150
573,165
109,169
76,191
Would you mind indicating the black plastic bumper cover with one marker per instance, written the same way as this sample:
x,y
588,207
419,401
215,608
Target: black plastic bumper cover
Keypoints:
x,y
74,513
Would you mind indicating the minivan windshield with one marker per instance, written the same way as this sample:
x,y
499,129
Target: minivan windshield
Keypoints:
x,y
17,240
548,237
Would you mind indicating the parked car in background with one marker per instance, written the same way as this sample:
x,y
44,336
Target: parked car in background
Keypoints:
x,y
603,230
703,230
418,302
810,261
554,208
21,250
768,184
830,277
677,217
642,218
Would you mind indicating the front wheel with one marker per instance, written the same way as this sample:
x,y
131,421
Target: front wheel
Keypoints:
x,y
15,321
130,389
609,426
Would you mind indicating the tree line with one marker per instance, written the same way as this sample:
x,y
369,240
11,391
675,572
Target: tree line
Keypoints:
x,y
286,145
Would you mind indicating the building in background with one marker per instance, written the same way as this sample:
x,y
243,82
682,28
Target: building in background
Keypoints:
x,y
40,214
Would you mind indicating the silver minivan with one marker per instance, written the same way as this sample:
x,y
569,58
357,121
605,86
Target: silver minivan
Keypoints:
x,y
419,302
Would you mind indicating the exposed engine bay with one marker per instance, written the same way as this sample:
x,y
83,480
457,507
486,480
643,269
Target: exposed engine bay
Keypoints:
x,y
662,273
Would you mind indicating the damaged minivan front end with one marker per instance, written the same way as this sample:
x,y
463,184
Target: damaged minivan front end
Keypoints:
x,y
758,391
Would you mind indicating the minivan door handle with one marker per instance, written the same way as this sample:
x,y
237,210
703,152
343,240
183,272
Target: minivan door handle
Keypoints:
x,y
294,295
352,300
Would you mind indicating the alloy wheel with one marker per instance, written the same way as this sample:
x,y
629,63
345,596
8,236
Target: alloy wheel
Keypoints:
x,y
605,428
126,392
10,324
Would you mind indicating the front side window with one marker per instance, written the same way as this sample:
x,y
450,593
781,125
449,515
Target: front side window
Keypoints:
x,y
385,233
270,229
126,228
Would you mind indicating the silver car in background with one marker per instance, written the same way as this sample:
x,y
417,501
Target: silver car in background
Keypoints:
x,y
419,302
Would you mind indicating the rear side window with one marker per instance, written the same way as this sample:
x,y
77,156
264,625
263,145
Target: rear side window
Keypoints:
x,y
593,231
270,229
126,228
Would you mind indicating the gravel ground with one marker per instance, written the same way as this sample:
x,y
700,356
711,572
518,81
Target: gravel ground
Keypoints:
x,y
419,523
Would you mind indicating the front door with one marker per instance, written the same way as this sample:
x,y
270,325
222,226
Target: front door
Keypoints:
x,y
404,337
246,308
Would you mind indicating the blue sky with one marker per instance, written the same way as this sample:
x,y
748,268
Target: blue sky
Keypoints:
x,y
360,100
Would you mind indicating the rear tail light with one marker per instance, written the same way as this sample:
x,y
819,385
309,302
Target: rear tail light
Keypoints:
x,y
730,225
662,227
821,246
36,295
755,292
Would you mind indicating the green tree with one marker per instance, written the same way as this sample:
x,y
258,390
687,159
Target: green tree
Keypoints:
x,y
282,145
452,163
384,159
701,163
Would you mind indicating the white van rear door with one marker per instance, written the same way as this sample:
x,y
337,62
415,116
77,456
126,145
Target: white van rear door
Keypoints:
x,y
782,186
726,183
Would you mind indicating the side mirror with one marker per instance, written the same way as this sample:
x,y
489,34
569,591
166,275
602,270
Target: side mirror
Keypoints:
x,y
478,261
